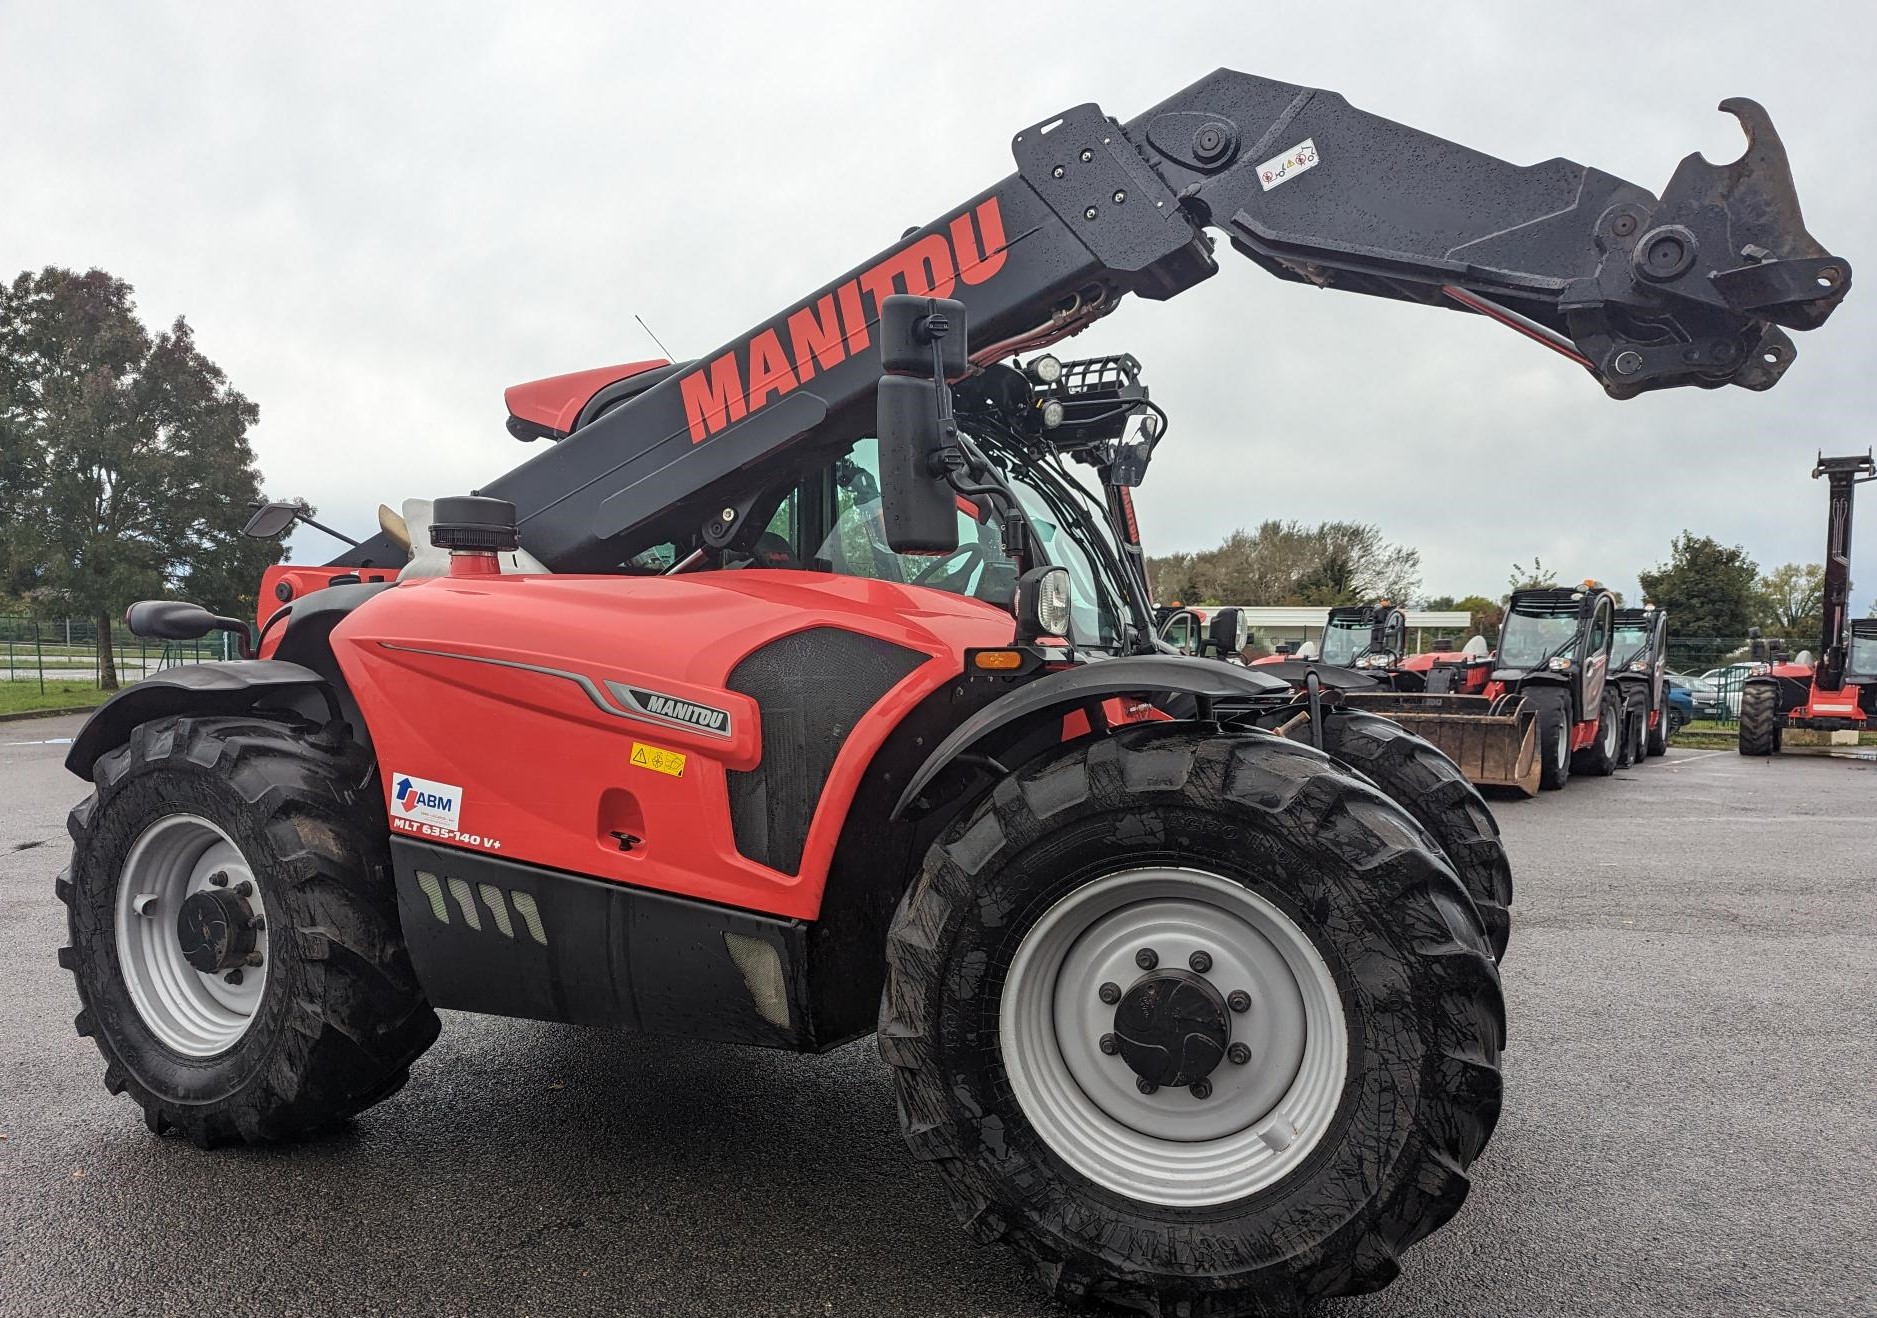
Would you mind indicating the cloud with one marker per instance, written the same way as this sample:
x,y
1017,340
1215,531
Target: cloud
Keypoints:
x,y
377,217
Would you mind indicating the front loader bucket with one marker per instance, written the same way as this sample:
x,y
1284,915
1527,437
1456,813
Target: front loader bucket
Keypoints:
x,y
1495,742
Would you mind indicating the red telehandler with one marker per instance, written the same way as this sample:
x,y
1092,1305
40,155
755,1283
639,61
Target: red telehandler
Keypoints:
x,y
815,711
1838,693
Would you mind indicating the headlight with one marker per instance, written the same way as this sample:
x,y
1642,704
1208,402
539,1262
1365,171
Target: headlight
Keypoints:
x,y
1243,632
1559,664
1046,369
1639,666
1372,661
1043,603
1052,414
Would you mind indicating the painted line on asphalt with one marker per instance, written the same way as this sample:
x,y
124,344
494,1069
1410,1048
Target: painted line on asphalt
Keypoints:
x,y
54,741
1699,755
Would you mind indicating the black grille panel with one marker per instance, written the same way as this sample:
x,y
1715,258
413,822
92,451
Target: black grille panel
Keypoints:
x,y
812,688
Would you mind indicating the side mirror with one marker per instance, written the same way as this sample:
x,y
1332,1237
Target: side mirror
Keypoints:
x,y
177,620
273,519
922,345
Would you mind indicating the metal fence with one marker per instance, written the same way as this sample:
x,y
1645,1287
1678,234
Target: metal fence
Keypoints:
x,y
64,652
1718,670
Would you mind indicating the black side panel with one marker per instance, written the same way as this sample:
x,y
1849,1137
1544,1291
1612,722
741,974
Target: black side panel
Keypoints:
x,y
1792,693
308,641
508,939
812,688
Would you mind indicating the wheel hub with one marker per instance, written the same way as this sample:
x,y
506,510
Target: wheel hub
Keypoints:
x,y
1173,1028
214,927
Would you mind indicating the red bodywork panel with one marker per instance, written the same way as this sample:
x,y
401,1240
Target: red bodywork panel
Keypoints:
x,y
555,402
300,580
1473,678
545,775
1841,704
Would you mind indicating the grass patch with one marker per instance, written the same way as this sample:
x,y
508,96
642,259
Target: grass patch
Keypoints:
x,y
19,697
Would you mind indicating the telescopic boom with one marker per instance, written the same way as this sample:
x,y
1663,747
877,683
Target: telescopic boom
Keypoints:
x,y
1693,288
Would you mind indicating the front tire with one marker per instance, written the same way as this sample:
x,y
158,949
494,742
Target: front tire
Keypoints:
x,y
1374,1006
234,930
1599,758
1416,776
1663,729
1554,739
1759,719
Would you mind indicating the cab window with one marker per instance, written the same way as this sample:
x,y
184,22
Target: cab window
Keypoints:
x,y
1600,628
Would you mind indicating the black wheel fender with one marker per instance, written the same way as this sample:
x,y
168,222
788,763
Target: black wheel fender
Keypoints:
x,y
234,687
1082,688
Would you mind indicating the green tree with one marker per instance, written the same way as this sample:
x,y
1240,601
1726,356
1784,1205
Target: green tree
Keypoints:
x,y
1792,602
1711,592
1535,577
1287,562
1486,615
125,468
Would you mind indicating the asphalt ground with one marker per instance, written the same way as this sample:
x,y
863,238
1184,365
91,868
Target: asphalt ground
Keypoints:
x,y
1691,1096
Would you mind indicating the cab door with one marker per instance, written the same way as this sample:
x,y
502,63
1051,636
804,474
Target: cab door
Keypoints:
x,y
1594,668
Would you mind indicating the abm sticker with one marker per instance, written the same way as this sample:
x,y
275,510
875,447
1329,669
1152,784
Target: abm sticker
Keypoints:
x,y
426,802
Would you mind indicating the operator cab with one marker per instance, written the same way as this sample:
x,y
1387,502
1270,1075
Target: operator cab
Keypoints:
x,y
1543,628
1861,659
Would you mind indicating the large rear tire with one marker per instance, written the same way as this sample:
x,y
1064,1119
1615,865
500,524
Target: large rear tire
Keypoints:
x,y
234,930
1371,1020
1759,719
1414,774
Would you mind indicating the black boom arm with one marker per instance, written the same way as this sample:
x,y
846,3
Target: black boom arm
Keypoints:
x,y
1844,476
1645,293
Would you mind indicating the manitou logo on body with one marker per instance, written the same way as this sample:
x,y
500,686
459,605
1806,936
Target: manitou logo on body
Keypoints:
x,y
827,331
425,802
669,709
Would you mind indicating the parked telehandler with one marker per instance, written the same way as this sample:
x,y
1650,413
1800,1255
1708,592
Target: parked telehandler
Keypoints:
x,y
1838,693
775,705
1639,671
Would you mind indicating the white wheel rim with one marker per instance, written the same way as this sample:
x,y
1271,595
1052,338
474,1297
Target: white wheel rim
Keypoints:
x,y
193,1013
1262,1118
1609,737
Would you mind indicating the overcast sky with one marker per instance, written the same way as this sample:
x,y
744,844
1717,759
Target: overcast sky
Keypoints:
x,y
376,217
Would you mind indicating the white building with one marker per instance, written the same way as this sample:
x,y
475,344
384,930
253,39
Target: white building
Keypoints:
x,y
1297,624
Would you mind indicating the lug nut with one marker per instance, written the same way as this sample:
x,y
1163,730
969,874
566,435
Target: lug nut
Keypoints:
x,y
1202,1089
1145,1085
1239,1054
244,889
1110,1044
219,878
1147,958
1239,1000
258,923
254,958
1200,961
1110,993
232,977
